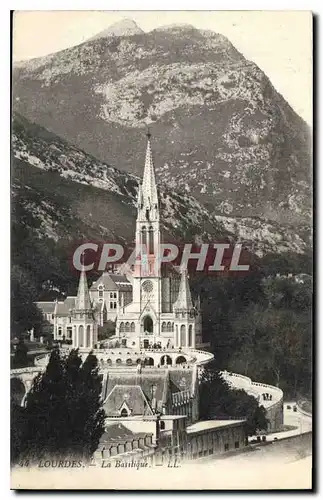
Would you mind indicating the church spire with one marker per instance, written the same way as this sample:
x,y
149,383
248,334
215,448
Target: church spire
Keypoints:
x,y
83,300
184,299
149,189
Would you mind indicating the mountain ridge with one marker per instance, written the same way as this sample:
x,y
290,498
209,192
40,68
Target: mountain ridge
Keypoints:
x,y
41,159
221,131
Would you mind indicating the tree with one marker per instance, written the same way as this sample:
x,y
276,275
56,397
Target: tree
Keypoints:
x,y
24,313
20,358
63,414
217,399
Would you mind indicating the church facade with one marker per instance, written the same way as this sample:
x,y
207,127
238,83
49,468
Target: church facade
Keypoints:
x,y
161,311
151,306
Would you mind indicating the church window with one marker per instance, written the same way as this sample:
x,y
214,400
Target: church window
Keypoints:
x,y
143,236
183,333
127,327
81,336
122,327
163,327
132,327
147,286
190,336
151,240
169,326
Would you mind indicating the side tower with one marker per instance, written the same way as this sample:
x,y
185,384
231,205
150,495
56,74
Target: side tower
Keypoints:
x,y
185,315
83,320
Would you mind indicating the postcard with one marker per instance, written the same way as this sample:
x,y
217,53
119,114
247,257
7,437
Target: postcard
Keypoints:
x,y
161,250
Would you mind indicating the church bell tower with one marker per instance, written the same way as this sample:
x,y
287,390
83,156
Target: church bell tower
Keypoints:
x,y
147,272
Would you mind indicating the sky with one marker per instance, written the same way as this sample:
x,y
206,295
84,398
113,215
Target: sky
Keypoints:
x,y
279,42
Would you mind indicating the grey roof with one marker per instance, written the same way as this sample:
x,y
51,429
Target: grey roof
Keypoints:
x,y
46,307
63,308
132,395
112,282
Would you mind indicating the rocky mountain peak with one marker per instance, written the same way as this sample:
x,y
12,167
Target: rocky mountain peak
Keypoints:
x,y
125,27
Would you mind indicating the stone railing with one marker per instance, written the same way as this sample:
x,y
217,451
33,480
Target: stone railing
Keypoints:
x,y
27,369
274,407
301,410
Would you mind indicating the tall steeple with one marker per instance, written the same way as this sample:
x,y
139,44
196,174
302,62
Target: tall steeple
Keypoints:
x,y
184,299
147,193
83,300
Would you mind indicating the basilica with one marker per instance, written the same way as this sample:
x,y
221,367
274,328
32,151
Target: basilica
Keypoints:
x,y
151,306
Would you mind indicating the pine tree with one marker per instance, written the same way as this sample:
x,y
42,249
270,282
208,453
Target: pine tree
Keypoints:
x,y
63,414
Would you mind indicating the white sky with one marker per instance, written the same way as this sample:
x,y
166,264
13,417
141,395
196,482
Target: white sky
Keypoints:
x,y
279,42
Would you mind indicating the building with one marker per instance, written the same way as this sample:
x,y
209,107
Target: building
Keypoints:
x,y
161,311
129,393
152,307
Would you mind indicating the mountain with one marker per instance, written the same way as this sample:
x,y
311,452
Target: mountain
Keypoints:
x,y
126,27
222,133
67,194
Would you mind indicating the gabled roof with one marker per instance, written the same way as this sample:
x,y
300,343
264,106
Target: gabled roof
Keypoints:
x,y
132,396
63,308
112,282
146,381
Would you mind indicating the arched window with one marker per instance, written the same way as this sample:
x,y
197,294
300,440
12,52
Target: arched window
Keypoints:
x,y
109,361
183,333
165,360
132,327
124,412
162,425
190,336
88,336
149,361
81,336
180,360
172,327
118,361
163,327
143,236
176,336
129,362
151,240
127,327
122,327
169,326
